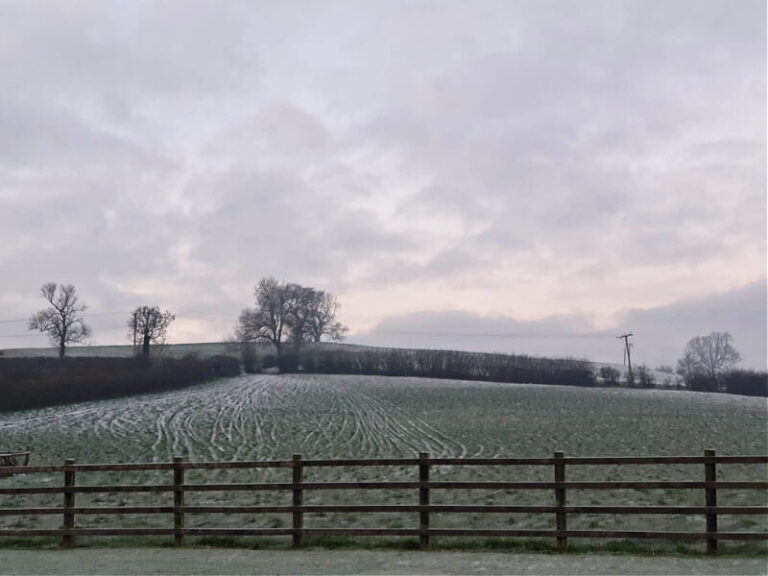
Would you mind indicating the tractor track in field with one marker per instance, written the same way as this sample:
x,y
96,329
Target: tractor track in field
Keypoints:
x,y
271,417
250,418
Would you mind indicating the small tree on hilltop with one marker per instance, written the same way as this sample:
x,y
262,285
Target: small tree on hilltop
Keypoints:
x,y
148,324
645,377
62,320
610,375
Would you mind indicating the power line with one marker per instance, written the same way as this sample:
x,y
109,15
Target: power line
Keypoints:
x,y
13,321
21,335
586,335
486,334
106,329
213,318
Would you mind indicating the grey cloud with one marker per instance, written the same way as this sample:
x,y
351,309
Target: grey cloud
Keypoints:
x,y
742,312
660,333
460,330
359,232
547,133
203,144
446,265
141,47
268,223
46,138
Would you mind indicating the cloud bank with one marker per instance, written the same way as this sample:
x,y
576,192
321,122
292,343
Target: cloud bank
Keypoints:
x,y
525,161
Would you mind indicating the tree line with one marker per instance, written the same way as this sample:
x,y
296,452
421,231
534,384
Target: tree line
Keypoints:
x,y
289,315
708,364
285,313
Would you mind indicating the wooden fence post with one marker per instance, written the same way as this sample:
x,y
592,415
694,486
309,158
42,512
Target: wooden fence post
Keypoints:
x,y
178,501
710,475
69,502
562,541
298,500
424,499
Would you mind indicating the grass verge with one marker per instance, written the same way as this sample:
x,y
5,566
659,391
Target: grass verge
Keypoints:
x,y
615,547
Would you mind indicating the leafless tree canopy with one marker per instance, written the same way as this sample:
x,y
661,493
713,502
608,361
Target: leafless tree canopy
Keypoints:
x,y
62,320
289,313
323,323
267,322
708,356
148,324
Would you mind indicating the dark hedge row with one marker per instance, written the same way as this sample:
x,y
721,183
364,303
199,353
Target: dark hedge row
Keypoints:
x,y
443,364
743,382
37,382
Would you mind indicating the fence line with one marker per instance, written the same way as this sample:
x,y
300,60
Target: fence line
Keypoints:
x,y
297,486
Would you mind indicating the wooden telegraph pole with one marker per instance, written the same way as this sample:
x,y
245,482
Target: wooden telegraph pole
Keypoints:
x,y
626,336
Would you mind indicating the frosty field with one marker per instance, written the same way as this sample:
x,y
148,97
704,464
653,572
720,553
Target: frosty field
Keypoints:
x,y
269,417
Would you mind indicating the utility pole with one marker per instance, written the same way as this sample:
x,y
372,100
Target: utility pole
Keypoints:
x,y
627,346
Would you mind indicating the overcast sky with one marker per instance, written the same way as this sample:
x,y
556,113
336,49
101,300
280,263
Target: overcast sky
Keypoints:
x,y
517,176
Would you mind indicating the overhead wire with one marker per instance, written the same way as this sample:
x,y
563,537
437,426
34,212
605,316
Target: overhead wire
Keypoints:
x,y
602,334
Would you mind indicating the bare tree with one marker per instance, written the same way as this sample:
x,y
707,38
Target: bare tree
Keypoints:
x,y
708,356
645,377
148,324
610,375
300,310
323,321
62,320
268,321
289,312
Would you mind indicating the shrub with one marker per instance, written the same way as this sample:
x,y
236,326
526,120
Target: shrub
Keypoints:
x,y
37,382
645,378
308,363
450,364
225,366
746,382
248,358
288,363
702,383
610,375
269,361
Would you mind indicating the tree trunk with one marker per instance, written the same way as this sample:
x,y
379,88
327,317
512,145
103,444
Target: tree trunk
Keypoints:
x,y
62,344
145,346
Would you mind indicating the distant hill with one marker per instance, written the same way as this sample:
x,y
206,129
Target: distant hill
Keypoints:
x,y
201,349
172,350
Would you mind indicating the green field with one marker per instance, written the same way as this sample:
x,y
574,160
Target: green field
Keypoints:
x,y
268,417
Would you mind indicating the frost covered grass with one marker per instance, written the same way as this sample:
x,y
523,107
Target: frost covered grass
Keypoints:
x,y
268,417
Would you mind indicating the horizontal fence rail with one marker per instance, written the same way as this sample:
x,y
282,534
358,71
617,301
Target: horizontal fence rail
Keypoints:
x,y
423,488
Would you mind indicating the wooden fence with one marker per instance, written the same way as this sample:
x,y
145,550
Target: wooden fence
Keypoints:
x,y
424,487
